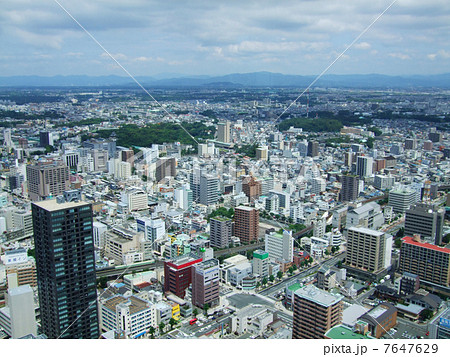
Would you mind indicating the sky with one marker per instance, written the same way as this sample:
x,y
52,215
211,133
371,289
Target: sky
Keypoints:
x,y
217,37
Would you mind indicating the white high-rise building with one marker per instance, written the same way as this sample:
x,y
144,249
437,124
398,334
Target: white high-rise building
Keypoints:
x,y
153,228
209,190
99,234
280,247
364,165
318,185
18,319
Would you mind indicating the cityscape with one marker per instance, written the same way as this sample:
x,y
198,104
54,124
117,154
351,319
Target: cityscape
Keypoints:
x,y
163,176
212,214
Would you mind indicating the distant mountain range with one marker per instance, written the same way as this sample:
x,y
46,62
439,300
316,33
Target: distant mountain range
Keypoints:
x,y
257,79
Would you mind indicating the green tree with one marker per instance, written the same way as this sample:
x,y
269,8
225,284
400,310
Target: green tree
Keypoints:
x,y
195,312
294,267
426,314
400,233
398,242
446,238
101,282
205,308
172,322
271,278
258,284
30,252
291,270
152,331
144,178
264,281
279,274
161,327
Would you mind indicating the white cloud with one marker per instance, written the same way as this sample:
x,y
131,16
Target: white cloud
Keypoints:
x,y
402,56
362,45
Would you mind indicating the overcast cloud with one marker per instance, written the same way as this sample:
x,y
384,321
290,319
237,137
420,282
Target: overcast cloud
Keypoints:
x,y
220,37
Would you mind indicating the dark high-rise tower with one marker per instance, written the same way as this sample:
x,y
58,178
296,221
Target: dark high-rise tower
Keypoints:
x,y
65,268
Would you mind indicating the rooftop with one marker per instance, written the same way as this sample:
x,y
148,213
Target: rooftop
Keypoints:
x,y
410,240
318,296
341,332
366,231
52,205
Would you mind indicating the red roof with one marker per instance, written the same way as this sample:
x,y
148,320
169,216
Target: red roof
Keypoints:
x,y
142,285
410,240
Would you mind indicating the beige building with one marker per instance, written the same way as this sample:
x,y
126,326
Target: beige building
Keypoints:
x,y
123,245
47,179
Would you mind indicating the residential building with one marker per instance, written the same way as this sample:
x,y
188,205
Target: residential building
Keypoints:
x,y
205,283
64,250
430,262
153,228
165,167
246,224
262,153
251,187
220,232
364,166
224,132
313,149
383,182
315,312
368,250
99,233
209,190
135,199
350,188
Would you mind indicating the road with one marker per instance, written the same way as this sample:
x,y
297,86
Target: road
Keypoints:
x,y
241,248
274,289
111,272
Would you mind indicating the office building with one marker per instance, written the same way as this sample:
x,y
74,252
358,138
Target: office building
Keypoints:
x,y
184,197
18,318
428,145
383,182
368,250
246,224
45,139
135,199
401,199
153,228
64,250
426,220
368,216
410,144
350,188
280,247
313,149
315,311
364,165
165,167
443,328
435,137
205,283
47,179
224,132
430,262
99,233
178,274
131,315
260,263
19,263
318,185
209,190
220,232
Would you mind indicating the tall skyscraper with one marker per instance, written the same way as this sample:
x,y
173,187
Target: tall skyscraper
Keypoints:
x,y
47,179
349,191
224,132
205,283
65,264
315,312
220,232
246,224
426,220
45,139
